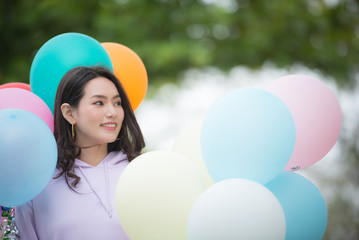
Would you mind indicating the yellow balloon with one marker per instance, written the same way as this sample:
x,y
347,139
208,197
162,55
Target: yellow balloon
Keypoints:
x,y
155,194
188,144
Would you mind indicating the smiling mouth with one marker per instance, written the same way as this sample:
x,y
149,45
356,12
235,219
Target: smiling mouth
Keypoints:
x,y
109,125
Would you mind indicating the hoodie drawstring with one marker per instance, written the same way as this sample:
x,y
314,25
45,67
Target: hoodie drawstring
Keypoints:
x,y
108,187
109,209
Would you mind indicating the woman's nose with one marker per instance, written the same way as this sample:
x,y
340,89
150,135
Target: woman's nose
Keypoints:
x,y
110,111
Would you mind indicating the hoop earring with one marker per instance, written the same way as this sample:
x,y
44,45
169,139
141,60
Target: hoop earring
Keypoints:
x,y
73,131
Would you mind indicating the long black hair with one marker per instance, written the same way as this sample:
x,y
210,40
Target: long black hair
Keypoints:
x,y
71,90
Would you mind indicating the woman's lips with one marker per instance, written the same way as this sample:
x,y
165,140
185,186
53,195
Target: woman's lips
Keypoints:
x,y
109,126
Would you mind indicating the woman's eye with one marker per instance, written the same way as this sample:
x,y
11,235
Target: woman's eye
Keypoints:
x,y
99,103
117,103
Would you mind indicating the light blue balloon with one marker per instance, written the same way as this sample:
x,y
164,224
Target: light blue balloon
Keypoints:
x,y
303,205
248,133
59,55
28,156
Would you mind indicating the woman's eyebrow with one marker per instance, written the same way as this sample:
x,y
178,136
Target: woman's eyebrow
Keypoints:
x,y
104,97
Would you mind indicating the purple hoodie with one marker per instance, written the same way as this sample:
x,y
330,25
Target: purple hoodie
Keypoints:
x,y
58,213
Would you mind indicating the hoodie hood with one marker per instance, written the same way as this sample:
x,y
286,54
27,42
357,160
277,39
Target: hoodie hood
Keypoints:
x,y
102,179
111,160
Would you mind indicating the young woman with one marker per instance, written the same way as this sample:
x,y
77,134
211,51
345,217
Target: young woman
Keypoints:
x,y
97,135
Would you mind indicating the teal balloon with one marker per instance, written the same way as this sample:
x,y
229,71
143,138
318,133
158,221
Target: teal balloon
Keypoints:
x,y
28,156
303,205
248,133
59,55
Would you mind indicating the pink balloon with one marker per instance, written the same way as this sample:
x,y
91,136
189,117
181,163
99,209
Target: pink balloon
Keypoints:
x,y
317,117
26,100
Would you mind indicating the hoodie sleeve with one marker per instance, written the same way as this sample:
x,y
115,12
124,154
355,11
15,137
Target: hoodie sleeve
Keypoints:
x,y
25,223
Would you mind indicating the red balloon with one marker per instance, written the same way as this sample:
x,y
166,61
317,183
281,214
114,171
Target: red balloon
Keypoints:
x,y
16,85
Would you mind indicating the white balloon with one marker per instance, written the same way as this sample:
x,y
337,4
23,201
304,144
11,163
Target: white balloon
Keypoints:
x,y
188,144
236,209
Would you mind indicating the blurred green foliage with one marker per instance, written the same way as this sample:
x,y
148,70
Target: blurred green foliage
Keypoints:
x,y
171,36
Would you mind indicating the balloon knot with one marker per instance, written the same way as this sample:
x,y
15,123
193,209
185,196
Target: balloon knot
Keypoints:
x,y
295,168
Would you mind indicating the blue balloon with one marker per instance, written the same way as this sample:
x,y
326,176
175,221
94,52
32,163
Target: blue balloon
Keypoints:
x,y
59,55
303,205
28,156
248,133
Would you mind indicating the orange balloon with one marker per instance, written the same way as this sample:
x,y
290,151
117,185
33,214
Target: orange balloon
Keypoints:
x,y
130,70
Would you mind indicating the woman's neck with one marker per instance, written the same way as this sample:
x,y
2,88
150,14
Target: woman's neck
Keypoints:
x,y
93,155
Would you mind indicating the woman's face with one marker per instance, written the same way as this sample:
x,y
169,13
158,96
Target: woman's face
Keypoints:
x,y
99,115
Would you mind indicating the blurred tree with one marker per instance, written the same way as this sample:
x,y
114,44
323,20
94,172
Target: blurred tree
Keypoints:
x,y
173,35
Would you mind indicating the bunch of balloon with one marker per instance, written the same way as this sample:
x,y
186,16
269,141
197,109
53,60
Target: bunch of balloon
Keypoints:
x,y
14,180
20,98
245,140
28,150
28,159
318,120
65,51
249,137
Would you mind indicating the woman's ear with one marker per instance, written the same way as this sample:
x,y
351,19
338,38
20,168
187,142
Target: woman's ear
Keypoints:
x,y
67,112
